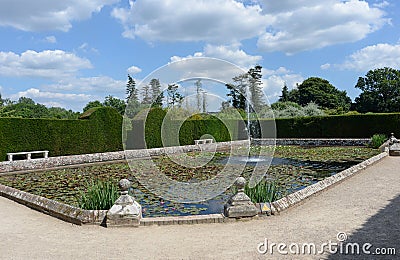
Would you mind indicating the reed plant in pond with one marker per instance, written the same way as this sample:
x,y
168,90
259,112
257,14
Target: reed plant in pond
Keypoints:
x,y
264,191
99,195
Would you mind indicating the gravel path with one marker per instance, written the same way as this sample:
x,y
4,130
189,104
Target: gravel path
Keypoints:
x,y
366,207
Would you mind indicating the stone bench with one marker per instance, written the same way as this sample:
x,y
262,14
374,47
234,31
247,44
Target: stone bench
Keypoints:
x,y
203,141
28,154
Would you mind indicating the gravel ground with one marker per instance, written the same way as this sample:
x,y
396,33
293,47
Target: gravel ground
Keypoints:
x,y
366,207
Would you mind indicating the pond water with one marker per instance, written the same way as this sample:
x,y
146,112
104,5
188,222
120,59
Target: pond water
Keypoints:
x,y
292,168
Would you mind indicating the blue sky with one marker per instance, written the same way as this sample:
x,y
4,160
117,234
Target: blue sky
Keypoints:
x,y
67,53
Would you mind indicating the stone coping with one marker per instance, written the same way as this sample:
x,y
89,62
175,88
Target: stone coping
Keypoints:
x,y
97,217
53,208
313,141
79,216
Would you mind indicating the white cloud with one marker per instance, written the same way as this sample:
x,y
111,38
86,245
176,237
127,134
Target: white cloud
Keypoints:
x,y
86,48
74,93
65,100
286,25
373,57
51,39
46,15
134,70
310,24
325,66
231,53
36,93
382,4
215,21
275,80
45,64
98,85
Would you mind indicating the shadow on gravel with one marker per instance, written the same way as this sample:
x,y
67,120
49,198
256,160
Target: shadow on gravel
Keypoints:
x,y
381,231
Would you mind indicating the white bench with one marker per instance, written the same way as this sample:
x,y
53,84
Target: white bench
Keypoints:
x,y
28,154
203,141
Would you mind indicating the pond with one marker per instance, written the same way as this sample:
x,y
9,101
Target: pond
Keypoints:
x,y
292,168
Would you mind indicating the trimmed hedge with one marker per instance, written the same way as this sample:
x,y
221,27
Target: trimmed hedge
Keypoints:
x,y
99,130
343,126
189,130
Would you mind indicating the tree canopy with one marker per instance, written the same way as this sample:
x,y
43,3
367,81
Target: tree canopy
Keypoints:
x,y
27,108
380,91
320,92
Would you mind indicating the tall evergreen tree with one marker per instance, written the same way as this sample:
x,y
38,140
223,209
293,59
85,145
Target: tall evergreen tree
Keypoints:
x,y
285,94
157,95
255,88
174,97
131,90
146,95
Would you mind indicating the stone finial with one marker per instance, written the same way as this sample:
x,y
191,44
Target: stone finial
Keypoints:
x,y
124,186
393,139
125,211
240,205
394,146
240,184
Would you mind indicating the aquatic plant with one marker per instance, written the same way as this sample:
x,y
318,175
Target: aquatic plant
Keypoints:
x,y
264,191
100,195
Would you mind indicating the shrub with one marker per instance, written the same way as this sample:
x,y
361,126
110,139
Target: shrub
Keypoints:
x,y
284,105
290,112
377,140
100,195
312,109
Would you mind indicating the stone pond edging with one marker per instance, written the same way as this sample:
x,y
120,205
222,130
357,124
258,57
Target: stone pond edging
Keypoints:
x,y
97,217
313,142
79,216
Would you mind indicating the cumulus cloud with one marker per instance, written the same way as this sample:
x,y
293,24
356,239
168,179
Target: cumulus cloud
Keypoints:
x,y
274,80
46,15
45,64
309,24
195,66
288,26
373,57
134,70
99,85
55,99
214,21
231,53
74,93
36,93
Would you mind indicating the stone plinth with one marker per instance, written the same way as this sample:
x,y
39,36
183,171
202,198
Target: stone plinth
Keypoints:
x,y
125,212
240,205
